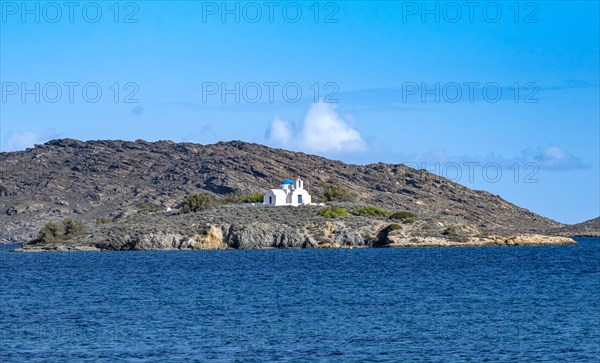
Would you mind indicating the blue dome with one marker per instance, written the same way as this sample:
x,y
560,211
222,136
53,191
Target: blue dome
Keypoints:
x,y
287,182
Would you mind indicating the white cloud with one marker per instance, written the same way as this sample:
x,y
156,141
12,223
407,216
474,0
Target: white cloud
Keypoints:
x,y
280,132
323,131
553,157
18,141
547,158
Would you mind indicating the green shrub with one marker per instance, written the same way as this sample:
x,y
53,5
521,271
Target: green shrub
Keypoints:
x,y
103,220
333,212
453,233
252,198
197,202
148,207
450,231
51,232
231,198
403,216
333,193
370,211
73,228
393,227
238,198
55,231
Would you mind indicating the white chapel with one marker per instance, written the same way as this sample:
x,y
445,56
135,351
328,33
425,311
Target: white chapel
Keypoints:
x,y
289,193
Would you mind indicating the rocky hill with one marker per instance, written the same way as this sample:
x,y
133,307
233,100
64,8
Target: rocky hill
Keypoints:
x,y
113,179
589,228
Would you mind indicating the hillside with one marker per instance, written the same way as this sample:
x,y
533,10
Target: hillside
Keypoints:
x,y
589,228
111,179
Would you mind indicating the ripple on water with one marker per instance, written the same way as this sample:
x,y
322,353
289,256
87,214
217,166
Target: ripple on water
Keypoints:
x,y
478,304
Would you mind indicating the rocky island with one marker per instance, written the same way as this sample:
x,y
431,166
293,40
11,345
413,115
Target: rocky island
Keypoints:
x,y
69,195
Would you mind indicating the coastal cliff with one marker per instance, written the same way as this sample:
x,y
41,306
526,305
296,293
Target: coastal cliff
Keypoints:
x,y
245,227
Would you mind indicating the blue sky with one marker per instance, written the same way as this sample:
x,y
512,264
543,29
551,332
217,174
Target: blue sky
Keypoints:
x,y
496,96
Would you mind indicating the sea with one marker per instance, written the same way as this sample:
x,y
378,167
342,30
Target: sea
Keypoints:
x,y
487,304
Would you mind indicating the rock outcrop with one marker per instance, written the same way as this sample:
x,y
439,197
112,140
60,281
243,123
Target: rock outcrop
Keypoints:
x,y
240,227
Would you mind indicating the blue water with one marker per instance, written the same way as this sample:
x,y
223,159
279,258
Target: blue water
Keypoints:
x,y
382,305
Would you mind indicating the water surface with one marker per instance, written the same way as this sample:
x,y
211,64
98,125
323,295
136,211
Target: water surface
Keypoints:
x,y
384,305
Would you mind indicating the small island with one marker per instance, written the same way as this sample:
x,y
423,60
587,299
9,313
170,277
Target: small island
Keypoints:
x,y
286,218
111,195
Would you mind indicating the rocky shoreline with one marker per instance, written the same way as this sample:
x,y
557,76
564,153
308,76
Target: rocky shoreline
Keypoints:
x,y
531,240
239,227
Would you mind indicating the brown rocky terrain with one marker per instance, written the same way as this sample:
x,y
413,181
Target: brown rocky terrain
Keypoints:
x,y
113,180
